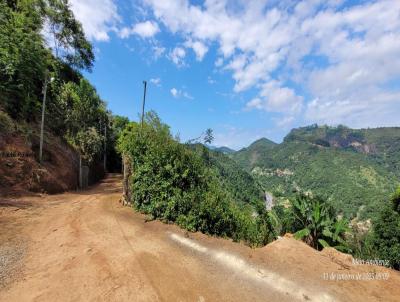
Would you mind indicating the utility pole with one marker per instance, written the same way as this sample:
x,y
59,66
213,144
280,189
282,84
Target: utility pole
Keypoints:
x,y
144,100
42,124
105,146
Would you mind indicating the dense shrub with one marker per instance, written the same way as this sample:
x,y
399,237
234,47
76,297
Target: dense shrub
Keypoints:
x,y
171,182
386,232
311,219
6,123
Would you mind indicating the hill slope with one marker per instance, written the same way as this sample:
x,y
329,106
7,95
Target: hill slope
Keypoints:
x,y
249,156
354,169
238,182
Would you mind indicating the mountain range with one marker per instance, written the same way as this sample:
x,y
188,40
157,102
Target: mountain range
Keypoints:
x,y
353,169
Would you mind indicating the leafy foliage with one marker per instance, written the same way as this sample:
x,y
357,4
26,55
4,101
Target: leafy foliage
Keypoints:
x,y
23,58
241,186
73,107
385,239
209,136
316,223
89,143
173,183
68,37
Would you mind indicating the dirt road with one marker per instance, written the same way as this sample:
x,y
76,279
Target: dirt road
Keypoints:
x,y
86,247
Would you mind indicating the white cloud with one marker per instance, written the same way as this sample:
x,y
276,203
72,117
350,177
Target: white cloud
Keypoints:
x,y
219,62
177,55
275,98
285,122
145,29
344,57
176,93
280,99
255,103
156,81
98,17
158,51
198,47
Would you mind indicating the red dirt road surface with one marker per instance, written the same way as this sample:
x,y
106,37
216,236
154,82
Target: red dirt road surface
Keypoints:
x,y
86,246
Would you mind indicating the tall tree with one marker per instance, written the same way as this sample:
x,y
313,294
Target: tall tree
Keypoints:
x,y
68,37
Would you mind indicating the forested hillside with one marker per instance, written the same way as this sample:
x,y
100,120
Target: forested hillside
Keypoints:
x,y
239,183
354,170
43,50
382,145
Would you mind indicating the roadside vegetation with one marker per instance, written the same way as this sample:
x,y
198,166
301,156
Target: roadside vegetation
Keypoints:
x,y
174,183
41,41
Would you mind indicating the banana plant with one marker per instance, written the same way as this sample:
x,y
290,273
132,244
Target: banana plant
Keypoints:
x,y
317,225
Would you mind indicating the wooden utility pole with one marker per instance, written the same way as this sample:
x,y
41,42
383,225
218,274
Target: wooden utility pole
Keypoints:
x,y
105,147
144,100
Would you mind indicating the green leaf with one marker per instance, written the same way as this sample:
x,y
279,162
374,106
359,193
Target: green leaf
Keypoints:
x,y
323,243
302,233
327,233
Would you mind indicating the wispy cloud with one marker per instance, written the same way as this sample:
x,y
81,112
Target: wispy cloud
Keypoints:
x,y
156,81
176,93
177,55
144,30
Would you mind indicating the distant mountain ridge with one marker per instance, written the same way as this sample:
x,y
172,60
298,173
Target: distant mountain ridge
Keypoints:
x,y
383,143
355,169
223,149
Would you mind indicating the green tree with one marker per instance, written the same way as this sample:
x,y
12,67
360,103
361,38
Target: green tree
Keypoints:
x,y
23,58
89,144
396,200
208,136
386,232
82,106
69,41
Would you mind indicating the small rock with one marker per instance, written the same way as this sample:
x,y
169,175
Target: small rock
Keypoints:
x,y
88,250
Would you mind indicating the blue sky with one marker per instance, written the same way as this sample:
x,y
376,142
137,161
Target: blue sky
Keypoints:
x,y
247,69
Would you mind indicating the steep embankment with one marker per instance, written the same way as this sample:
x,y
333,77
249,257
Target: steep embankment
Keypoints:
x,y
20,170
87,247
